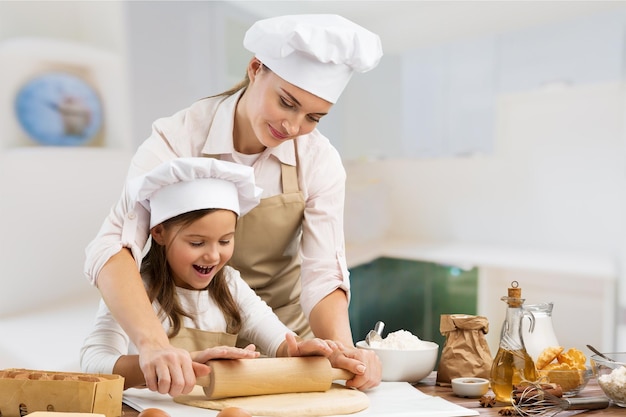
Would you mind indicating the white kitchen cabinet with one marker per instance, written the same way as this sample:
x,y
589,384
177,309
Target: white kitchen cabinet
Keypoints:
x,y
365,121
449,90
424,101
582,51
449,99
471,97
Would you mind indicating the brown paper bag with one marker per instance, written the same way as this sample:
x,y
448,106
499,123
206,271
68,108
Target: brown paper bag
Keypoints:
x,y
465,352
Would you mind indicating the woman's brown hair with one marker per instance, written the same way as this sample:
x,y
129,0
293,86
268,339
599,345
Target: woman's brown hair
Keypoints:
x,y
161,287
241,85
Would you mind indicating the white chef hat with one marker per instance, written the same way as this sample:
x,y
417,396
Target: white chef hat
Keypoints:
x,y
316,52
186,184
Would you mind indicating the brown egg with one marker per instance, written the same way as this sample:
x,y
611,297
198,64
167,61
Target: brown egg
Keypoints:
x,y
153,412
233,412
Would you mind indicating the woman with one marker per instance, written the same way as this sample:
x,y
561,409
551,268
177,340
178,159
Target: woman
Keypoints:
x,y
203,304
290,248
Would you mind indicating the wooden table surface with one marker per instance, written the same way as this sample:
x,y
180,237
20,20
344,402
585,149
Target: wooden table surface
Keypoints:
x,y
428,386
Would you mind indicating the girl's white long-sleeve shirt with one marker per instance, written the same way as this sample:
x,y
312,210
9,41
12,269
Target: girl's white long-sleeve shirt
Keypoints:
x,y
108,341
206,128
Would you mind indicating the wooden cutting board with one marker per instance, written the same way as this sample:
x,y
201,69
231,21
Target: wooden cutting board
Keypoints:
x,y
337,400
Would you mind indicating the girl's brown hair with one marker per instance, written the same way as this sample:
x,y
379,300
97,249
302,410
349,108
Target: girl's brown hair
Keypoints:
x,y
161,287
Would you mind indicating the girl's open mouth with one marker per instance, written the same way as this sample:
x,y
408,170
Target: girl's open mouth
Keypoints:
x,y
203,269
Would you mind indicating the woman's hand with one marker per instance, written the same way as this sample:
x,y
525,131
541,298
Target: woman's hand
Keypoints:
x,y
310,347
364,364
330,319
225,352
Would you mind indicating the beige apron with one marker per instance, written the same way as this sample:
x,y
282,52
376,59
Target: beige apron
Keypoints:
x,y
267,242
193,340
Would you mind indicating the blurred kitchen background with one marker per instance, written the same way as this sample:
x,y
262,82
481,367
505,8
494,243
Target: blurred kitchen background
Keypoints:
x,y
489,146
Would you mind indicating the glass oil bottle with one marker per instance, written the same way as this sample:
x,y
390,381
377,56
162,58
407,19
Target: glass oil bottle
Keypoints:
x,y
512,364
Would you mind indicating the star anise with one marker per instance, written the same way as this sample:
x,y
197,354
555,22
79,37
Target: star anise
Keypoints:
x,y
507,411
487,401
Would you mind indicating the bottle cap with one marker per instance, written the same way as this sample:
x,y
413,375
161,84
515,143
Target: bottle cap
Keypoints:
x,y
515,295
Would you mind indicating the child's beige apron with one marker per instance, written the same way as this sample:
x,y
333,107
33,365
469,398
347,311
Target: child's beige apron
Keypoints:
x,y
194,340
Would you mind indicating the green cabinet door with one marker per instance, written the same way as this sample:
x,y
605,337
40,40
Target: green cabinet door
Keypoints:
x,y
409,295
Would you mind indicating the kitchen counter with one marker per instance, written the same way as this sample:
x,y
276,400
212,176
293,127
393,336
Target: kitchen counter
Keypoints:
x,y
428,386
469,255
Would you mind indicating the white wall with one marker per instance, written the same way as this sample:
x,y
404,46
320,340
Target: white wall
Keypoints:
x,y
169,67
99,24
53,199
172,66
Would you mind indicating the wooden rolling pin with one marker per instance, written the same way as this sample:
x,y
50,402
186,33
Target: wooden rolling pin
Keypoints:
x,y
244,377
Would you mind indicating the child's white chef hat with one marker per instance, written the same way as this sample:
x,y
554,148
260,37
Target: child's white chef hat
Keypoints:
x,y
186,184
316,52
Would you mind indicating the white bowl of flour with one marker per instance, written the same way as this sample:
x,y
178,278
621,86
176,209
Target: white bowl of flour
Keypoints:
x,y
404,356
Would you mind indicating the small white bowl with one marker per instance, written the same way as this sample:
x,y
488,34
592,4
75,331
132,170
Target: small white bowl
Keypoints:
x,y
405,365
470,387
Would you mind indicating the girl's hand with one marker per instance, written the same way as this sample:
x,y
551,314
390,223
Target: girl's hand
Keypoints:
x,y
167,370
310,347
225,352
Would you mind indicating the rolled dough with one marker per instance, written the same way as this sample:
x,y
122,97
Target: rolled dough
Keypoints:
x,y
337,400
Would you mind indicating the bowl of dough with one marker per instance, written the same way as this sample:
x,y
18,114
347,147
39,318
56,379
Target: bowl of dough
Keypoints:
x,y
611,375
404,357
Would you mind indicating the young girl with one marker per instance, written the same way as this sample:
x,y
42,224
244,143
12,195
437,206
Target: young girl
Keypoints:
x,y
194,204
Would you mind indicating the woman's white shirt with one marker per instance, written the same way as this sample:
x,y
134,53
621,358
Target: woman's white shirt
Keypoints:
x,y
206,128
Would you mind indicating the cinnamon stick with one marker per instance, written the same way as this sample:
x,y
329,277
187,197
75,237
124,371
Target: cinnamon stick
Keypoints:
x,y
535,393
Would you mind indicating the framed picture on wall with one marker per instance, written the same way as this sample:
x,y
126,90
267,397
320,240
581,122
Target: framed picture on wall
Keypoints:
x,y
60,106
61,94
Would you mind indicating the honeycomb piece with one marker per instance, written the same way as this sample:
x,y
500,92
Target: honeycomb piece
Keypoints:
x,y
573,357
557,367
548,355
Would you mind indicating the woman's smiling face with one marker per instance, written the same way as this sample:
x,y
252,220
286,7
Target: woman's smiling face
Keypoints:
x,y
197,251
277,110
